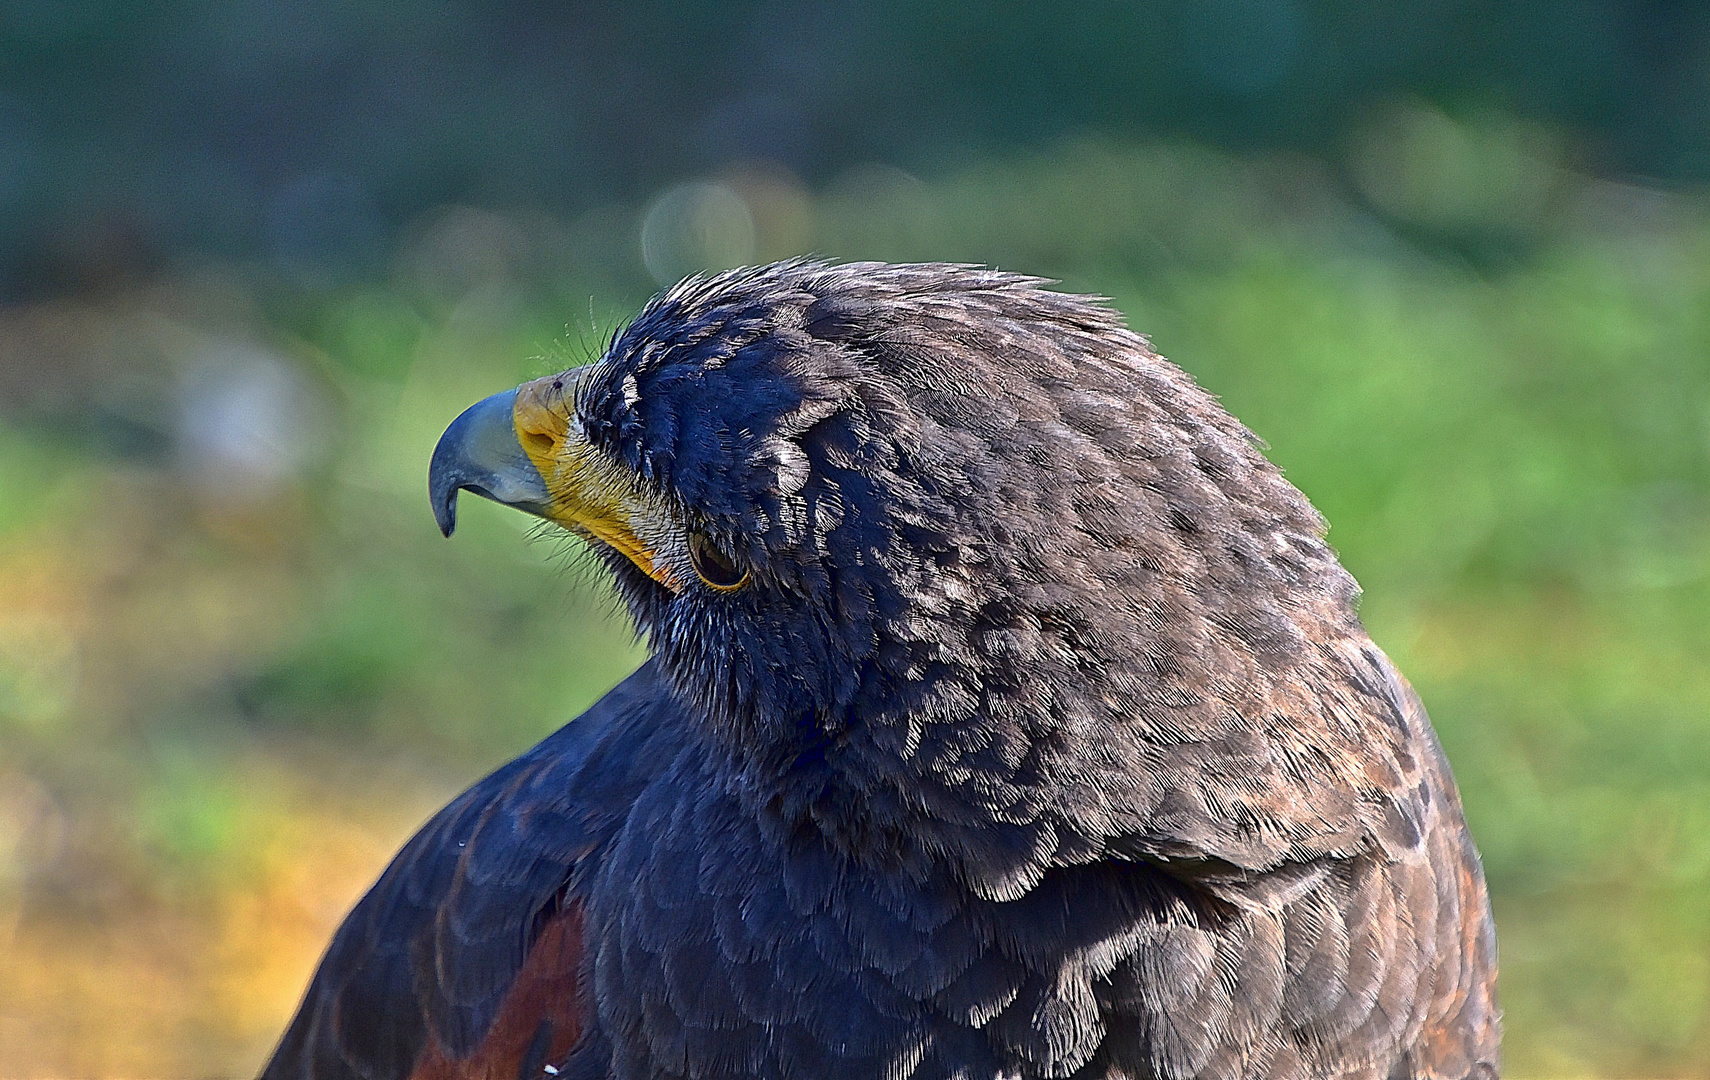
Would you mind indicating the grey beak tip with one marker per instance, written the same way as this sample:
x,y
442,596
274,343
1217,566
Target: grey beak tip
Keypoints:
x,y
447,475
480,452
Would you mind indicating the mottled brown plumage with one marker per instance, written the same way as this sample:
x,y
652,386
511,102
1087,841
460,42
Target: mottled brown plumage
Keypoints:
x,y
1021,727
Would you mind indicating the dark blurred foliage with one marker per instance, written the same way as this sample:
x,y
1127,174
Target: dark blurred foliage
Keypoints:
x,y
305,133
1451,259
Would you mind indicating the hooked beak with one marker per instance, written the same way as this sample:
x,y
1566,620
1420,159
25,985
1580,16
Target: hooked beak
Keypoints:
x,y
479,452
524,448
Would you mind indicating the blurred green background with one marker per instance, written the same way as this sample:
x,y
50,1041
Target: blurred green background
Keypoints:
x,y
1452,260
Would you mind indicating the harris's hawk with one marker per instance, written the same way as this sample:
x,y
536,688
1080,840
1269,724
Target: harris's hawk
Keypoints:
x,y
1007,716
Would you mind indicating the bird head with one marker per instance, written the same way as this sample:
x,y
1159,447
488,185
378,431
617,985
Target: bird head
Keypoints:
x,y
908,513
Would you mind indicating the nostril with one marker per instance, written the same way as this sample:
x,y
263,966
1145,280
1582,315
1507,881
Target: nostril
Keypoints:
x,y
538,443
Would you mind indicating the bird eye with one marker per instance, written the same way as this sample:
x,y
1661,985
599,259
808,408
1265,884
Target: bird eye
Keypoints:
x,y
715,567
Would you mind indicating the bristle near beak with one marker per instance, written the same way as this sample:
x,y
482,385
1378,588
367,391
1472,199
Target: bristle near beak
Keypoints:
x,y
524,448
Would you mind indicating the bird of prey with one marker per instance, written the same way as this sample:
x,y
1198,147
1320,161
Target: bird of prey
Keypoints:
x,y
1007,716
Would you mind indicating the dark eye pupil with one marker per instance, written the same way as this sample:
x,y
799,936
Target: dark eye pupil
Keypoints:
x,y
715,567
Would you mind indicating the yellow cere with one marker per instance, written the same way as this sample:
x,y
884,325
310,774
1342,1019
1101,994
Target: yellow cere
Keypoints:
x,y
591,495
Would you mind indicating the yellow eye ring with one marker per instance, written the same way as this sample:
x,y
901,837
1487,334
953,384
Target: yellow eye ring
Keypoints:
x,y
716,569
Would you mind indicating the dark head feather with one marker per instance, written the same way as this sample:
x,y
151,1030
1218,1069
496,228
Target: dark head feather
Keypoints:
x,y
1003,555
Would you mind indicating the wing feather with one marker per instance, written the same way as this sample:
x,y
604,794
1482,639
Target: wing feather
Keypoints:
x,y
463,959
